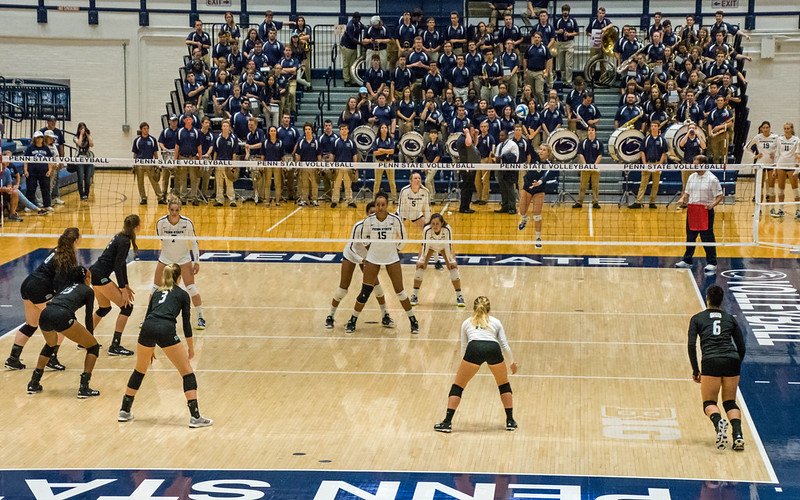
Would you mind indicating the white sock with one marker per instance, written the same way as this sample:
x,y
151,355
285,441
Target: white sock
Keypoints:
x,y
410,313
384,311
416,291
199,310
538,235
333,311
355,313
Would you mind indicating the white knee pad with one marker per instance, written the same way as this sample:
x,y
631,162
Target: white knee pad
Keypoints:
x,y
378,290
339,294
796,193
192,289
537,218
402,295
454,275
418,274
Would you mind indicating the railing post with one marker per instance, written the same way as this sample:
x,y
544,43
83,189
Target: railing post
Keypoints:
x,y
644,21
698,12
244,17
193,14
94,17
144,16
41,13
750,18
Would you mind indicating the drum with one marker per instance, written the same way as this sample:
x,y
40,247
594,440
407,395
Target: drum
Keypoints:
x,y
451,144
358,69
675,133
563,144
364,137
412,144
625,145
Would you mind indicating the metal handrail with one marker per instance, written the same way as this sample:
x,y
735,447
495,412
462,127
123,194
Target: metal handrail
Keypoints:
x,y
329,75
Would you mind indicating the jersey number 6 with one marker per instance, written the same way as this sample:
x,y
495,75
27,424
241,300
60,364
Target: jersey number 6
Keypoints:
x,y
716,329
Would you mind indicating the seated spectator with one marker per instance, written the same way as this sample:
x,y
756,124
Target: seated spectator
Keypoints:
x,y
223,46
481,112
628,112
234,102
351,116
552,118
16,170
9,195
299,54
502,99
199,39
383,114
259,57
406,112
231,29
508,121
431,115
192,91
365,104
376,79
434,80
448,106
273,48
470,103
221,93
249,43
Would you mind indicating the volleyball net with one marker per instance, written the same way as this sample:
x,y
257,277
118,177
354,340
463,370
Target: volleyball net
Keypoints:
x,y
739,219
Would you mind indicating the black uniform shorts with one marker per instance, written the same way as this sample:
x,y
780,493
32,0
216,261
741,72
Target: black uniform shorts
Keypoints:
x,y
483,351
158,333
721,367
98,279
56,319
36,290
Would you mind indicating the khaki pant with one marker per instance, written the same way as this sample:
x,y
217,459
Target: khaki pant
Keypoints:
x,y
430,178
291,96
462,92
716,148
536,80
646,176
165,175
565,59
685,178
582,134
587,176
390,177
482,178
348,58
199,179
512,85
180,188
488,93
258,175
289,179
152,174
273,175
309,181
382,54
342,177
223,183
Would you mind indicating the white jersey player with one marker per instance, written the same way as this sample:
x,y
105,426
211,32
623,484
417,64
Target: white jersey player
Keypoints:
x,y
353,255
438,238
179,246
765,152
415,202
786,159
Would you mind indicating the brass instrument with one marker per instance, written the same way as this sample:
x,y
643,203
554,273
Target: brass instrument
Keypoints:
x,y
623,66
609,40
629,124
599,70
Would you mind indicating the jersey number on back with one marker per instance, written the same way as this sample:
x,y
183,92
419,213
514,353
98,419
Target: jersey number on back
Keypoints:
x,y
164,298
716,328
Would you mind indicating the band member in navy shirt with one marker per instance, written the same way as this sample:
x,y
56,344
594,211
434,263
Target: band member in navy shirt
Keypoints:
x,y
590,152
226,145
145,147
344,151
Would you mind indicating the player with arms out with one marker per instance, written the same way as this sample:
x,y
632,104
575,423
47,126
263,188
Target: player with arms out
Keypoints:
x,y
179,246
438,238
723,349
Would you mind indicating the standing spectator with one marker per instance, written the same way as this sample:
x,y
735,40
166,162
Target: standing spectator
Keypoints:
x,y
8,192
509,60
566,30
301,55
507,152
491,74
401,78
249,44
187,147
431,39
268,24
459,80
83,141
590,152
587,115
225,146
288,67
473,60
254,150
375,41
703,193
719,120
456,34
348,45
57,136
537,65
595,30
377,78
273,49
654,152
500,9
406,32
199,39
432,155
38,173
231,29
533,10
145,147
509,31
192,91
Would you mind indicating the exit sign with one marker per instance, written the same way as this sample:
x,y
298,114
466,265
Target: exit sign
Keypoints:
x,y
716,4
218,3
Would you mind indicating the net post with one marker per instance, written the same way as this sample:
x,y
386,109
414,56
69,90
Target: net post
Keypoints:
x,y
757,211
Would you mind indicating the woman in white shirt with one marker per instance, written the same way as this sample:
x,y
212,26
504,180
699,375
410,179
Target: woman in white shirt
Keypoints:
x,y
415,202
385,233
179,246
765,148
353,255
438,238
786,161
482,337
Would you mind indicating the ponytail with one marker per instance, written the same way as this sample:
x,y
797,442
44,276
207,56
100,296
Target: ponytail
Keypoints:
x,y
128,229
64,257
170,276
481,308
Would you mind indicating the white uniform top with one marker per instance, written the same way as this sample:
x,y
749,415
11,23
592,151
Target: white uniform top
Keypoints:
x,y
391,228
495,333
702,189
414,205
441,242
174,250
767,147
788,149
355,251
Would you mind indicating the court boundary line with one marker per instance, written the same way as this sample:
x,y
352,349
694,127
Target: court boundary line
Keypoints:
x,y
284,219
375,471
756,437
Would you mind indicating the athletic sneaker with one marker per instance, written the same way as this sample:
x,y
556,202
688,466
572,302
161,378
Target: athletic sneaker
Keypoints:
x,y
438,264
14,364
683,264
460,301
42,212
577,204
314,203
301,203
797,214
58,201
14,218
350,327
596,205
143,201
722,434
54,364
329,322
194,423
201,324
414,300
414,325
710,268
118,350
522,225
781,214
34,387
216,204
538,243
334,204
511,424
87,392
443,426
124,416
232,204
738,442
773,212
387,321
352,205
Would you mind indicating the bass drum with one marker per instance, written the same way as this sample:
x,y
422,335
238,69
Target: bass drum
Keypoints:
x,y
675,133
412,144
359,69
451,144
364,137
625,145
563,144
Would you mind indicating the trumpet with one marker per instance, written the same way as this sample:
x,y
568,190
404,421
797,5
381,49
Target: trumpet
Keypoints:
x,y
629,124
624,64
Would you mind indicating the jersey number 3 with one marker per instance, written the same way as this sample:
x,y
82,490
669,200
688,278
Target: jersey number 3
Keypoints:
x,y
164,298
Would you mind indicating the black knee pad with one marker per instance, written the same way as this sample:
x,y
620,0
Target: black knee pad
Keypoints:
x,y
456,390
94,350
47,351
706,404
136,380
103,311
505,388
366,291
126,311
730,405
189,382
27,330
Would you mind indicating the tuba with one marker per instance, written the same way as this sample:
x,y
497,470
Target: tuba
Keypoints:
x,y
609,40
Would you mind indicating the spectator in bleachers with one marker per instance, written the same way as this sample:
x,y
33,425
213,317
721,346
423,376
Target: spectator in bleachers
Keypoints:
x,y
595,29
417,60
259,58
288,69
351,39
273,100
406,112
448,107
401,77
491,75
307,150
9,194
470,103
434,81
532,126
432,39
484,37
235,63
657,24
720,26
573,100
587,114
300,55
406,32
502,99
481,112
240,118
351,116
459,79
249,43
432,154
383,114
192,91
703,40
628,112
510,63
688,32
668,37
376,78
189,112
544,28
273,48
719,120
250,90
234,103
375,41
659,111
654,151
344,150
289,137
383,152
84,143
473,60
145,147
552,118
199,39
446,61
223,47
507,119
537,65
273,151
494,124
268,24
221,93
231,29
365,105
655,51
627,46
431,115
508,31
38,173
566,30
456,34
